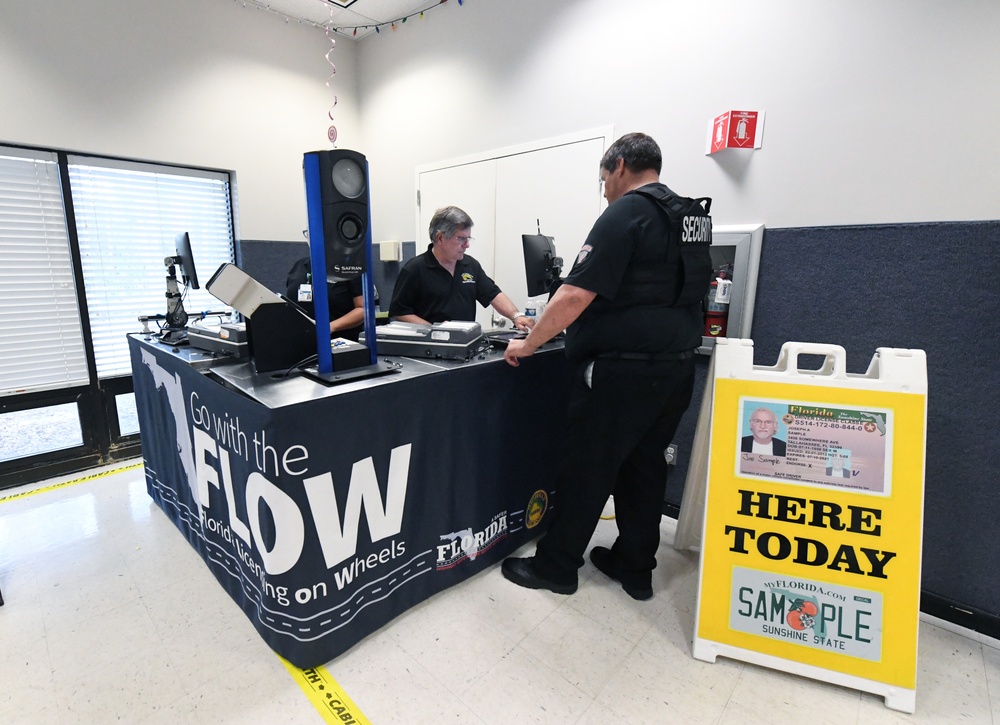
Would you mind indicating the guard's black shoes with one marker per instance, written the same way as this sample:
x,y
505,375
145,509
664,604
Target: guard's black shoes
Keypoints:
x,y
522,572
604,560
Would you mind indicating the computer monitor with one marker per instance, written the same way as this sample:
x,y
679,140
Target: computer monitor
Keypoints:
x,y
185,260
541,265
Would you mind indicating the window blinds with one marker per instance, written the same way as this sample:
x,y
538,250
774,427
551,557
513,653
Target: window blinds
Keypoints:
x,y
41,345
128,216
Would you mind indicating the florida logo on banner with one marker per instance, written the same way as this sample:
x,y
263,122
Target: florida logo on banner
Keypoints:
x,y
811,546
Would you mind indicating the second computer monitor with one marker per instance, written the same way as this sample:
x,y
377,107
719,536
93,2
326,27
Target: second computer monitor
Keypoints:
x,y
541,265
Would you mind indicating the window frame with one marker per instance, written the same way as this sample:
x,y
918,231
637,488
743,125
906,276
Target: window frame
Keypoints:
x,y
95,400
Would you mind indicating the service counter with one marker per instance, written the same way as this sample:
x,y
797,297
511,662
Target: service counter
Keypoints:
x,y
325,511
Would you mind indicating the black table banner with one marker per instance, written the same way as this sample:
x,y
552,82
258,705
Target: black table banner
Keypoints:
x,y
326,518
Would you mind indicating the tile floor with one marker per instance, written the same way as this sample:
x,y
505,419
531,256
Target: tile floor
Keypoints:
x,y
111,616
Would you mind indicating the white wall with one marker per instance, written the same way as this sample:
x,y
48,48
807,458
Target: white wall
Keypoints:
x,y
200,82
876,111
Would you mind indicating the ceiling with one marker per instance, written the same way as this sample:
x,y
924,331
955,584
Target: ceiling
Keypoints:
x,y
348,16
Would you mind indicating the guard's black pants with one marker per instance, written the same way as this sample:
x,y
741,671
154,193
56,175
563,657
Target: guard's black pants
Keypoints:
x,y
618,430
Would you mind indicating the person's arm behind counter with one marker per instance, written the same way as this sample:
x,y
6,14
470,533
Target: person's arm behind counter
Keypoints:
x,y
567,304
414,319
352,319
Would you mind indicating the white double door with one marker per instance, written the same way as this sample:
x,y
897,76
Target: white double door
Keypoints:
x,y
553,186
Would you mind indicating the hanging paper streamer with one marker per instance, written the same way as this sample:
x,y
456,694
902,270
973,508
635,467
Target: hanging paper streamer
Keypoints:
x,y
331,132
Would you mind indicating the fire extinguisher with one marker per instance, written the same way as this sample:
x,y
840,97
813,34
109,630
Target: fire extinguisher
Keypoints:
x,y
717,306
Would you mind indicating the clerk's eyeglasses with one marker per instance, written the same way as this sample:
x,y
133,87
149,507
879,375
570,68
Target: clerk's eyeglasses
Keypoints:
x,y
463,240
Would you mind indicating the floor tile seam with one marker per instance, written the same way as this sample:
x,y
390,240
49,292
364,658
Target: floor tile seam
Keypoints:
x,y
614,672
685,677
505,633
681,586
411,659
649,648
89,614
992,698
456,593
66,677
619,719
65,683
606,628
524,653
138,568
941,668
627,603
461,693
100,565
736,683
508,649
162,628
856,694
46,627
175,656
47,666
123,553
571,603
460,699
588,696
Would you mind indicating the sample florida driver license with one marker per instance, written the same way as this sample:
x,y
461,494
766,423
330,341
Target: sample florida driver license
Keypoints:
x,y
839,447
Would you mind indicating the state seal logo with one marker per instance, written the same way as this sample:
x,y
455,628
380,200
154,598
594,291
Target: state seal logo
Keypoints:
x,y
538,504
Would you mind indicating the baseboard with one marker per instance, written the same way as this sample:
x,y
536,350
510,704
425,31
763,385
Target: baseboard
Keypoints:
x,y
960,614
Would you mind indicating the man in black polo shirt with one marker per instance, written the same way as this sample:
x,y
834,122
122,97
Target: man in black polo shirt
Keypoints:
x,y
444,283
344,299
632,306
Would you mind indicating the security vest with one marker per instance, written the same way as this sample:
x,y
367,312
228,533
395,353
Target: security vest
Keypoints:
x,y
682,276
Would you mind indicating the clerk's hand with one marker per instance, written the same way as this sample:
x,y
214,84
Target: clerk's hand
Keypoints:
x,y
517,349
523,323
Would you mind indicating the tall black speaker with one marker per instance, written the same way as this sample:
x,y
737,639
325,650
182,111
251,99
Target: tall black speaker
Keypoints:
x,y
343,199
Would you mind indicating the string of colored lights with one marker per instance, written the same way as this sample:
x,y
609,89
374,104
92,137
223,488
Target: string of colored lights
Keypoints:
x,y
262,5
350,30
388,23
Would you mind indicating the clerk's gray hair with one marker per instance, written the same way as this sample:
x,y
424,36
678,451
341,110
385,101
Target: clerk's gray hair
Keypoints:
x,y
448,220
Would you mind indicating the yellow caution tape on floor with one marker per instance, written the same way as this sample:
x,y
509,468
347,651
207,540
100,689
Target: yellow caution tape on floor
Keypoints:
x,y
322,690
326,695
75,481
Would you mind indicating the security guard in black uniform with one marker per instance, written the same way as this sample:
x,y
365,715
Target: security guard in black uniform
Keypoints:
x,y
632,308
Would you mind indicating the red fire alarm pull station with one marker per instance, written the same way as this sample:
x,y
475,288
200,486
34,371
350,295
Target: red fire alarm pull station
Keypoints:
x,y
735,130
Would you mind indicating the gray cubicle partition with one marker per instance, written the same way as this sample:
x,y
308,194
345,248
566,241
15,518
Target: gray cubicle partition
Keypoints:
x,y
927,286
269,261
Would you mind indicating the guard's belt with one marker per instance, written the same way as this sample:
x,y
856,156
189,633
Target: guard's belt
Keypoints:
x,y
651,356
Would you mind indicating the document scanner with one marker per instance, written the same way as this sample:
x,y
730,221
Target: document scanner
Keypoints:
x,y
454,340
